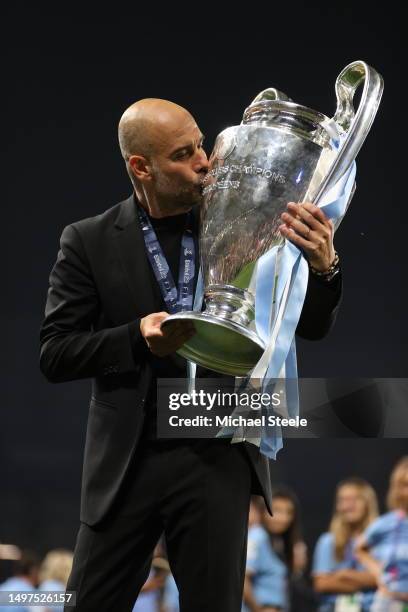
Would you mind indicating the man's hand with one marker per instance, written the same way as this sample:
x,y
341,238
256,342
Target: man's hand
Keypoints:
x,y
163,342
308,228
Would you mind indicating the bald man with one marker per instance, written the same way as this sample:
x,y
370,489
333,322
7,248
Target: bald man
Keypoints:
x,y
106,302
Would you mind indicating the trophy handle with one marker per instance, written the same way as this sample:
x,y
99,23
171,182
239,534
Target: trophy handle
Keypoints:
x,y
355,126
271,93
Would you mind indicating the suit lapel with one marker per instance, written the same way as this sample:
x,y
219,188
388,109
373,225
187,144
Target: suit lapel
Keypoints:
x,y
132,254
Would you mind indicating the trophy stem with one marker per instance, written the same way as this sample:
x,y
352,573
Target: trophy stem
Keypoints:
x,y
230,303
224,341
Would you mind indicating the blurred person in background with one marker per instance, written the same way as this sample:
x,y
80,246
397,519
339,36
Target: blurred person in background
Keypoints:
x,y
25,578
275,552
383,547
9,553
291,548
54,573
288,543
263,569
151,594
342,583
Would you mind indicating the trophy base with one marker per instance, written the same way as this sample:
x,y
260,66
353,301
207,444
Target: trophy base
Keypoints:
x,y
219,344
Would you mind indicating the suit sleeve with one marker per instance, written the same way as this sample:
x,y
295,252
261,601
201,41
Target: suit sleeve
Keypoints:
x,y
320,307
69,347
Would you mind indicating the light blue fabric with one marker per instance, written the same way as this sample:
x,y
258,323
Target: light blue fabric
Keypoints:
x,y
51,585
387,538
17,584
325,562
292,269
149,601
171,595
288,266
268,574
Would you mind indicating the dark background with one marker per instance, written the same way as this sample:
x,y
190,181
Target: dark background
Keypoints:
x,y
69,78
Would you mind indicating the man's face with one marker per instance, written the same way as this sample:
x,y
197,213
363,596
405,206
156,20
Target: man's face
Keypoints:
x,y
179,166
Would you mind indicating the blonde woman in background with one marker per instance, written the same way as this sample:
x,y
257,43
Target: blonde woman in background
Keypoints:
x,y
54,572
383,548
343,584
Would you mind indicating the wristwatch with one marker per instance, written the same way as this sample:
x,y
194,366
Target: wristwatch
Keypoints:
x,y
332,270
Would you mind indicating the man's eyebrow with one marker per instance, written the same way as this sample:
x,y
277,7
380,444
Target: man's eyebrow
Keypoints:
x,y
187,146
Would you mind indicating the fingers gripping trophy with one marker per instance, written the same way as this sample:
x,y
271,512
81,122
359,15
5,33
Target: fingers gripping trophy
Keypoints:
x,y
281,152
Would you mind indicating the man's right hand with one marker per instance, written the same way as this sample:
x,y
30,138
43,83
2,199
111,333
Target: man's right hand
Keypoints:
x,y
162,342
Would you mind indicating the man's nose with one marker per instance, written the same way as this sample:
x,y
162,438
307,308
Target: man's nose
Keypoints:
x,y
201,161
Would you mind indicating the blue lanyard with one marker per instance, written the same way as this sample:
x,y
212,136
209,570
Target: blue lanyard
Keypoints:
x,y
174,300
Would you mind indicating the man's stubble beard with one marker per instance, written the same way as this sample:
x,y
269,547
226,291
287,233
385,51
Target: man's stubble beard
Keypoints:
x,y
170,196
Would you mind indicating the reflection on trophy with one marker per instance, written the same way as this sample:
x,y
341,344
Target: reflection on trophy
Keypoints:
x,y
281,152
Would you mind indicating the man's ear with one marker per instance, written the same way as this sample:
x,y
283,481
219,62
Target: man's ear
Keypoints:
x,y
140,167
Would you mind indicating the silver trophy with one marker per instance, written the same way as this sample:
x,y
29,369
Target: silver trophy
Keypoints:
x,y
281,152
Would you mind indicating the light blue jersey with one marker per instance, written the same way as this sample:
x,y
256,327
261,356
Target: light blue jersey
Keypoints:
x,y
387,538
52,585
148,601
269,575
171,595
325,562
19,585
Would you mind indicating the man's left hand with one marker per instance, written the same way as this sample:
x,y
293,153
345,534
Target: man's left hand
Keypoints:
x,y
308,228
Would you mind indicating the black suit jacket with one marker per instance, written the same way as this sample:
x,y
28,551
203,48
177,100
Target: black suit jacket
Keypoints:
x,y
100,288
